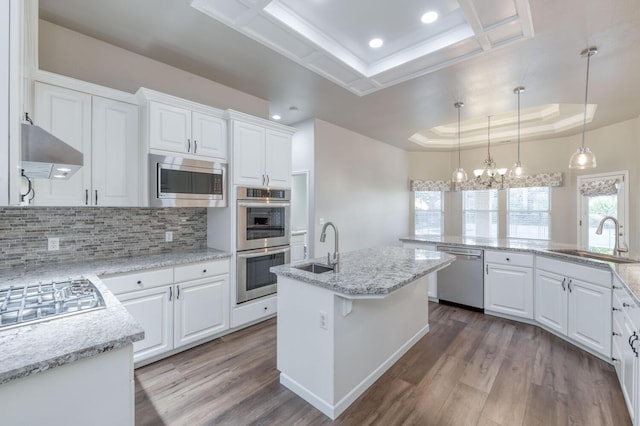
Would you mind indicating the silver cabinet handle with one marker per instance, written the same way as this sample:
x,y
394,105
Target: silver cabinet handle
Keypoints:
x,y
616,309
563,287
263,181
615,287
188,145
170,293
569,285
267,180
86,197
615,360
195,146
178,294
486,268
96,197
625,305
616,334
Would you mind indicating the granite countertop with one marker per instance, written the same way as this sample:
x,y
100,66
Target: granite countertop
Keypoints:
x,y
370,272
41,346
629,273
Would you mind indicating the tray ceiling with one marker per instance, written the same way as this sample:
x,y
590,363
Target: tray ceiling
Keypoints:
x,y
331,38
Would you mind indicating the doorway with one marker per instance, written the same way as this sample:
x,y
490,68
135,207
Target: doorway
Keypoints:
x,y
299,215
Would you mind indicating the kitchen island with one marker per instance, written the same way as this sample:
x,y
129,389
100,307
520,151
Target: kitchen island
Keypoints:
x,y
339,332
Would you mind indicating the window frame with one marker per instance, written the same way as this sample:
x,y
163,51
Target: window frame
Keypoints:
x,y
508,214
623,207
441,211
496,211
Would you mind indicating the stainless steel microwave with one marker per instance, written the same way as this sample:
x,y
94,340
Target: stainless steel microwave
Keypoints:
x,y
182,182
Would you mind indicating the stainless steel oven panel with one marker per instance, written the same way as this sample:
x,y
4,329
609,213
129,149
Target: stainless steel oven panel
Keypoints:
x,y
242,294
249,193
159,199
244,244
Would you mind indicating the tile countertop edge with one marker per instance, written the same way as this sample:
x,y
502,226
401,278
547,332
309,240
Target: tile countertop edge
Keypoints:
x,y
394,268
629,274
33,348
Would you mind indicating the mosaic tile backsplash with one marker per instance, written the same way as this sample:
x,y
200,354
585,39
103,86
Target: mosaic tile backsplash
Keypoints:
x,y
95,233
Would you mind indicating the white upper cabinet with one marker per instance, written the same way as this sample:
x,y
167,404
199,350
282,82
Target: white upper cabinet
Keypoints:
x,y
178,126
169,128
106,132
209,135
115,153
261,152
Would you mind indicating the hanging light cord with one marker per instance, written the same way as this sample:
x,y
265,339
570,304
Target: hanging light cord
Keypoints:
x,y
458,106
519,125
489,139
586,91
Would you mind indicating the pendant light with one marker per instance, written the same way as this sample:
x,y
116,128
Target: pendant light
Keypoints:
x,y
488,166
459,175
518,170
583,158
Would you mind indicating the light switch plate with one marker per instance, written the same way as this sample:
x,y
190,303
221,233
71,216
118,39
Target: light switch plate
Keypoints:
x,y
168,236
53,244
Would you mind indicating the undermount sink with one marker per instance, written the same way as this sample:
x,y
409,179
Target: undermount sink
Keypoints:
x,y
596,256
316,268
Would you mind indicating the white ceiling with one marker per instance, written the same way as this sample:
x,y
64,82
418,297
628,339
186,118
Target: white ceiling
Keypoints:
x,y
548,64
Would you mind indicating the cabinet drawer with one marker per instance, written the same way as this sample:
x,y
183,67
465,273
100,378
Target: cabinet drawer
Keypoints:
x,y
508,258
254,311
569,269
194,271
124,283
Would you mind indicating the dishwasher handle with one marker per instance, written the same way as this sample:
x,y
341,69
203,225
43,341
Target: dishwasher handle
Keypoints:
x,y
461,253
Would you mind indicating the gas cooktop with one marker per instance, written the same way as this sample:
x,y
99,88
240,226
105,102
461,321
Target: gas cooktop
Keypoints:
x,y
21,304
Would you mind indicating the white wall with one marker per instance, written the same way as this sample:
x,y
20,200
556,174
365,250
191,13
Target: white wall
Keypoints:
x,y
70,53
361,185
617,147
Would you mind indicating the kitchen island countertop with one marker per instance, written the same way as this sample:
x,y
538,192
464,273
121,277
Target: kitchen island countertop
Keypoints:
x,y
373,272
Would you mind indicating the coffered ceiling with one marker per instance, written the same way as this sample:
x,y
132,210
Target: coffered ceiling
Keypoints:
x,y
314,55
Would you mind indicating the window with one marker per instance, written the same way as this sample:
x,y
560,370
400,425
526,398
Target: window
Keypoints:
x,y
480,213
602,195
429,213
528,213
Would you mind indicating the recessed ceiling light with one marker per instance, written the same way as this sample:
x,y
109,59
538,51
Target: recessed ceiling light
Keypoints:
x,y
429,17
375,43
276,117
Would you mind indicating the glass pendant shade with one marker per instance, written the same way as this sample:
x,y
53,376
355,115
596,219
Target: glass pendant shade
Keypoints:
x,y
517,171
583,158
459,175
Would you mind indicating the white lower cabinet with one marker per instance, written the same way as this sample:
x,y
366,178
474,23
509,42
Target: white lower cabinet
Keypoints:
x,y
175,306
626,346
575,301
508,283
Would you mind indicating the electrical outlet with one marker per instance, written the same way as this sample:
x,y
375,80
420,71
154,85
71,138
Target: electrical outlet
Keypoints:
x,y
53,244
323,320
168,236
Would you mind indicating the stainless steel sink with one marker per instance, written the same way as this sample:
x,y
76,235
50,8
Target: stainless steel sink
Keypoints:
x,y
316,268
596,256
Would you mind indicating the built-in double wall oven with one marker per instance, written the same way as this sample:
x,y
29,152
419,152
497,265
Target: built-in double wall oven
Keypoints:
x,y
262,239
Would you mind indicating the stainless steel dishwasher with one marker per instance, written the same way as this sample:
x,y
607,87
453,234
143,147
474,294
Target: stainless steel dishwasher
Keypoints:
x,y
462,282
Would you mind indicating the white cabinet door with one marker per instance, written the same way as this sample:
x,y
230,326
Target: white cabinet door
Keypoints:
x,y
209,136
509,290
551,301
201,309
169,128
278,159
248,154
590,315
153,310
115,152
67,115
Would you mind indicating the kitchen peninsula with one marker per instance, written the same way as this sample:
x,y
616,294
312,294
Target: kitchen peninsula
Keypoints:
x,y
339,332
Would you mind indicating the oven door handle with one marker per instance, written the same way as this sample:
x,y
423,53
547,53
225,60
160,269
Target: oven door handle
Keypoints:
x,y
265,204
262,253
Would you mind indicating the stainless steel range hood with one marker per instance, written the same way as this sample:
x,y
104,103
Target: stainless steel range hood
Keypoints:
x,y
44,156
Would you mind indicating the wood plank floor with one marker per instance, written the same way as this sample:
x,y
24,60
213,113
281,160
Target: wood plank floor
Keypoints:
x,y
471,369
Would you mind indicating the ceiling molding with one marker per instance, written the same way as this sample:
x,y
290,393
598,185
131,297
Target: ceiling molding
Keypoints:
x,y
466,30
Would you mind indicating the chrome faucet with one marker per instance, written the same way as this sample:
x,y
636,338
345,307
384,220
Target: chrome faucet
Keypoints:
x,y
335,262
618,248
